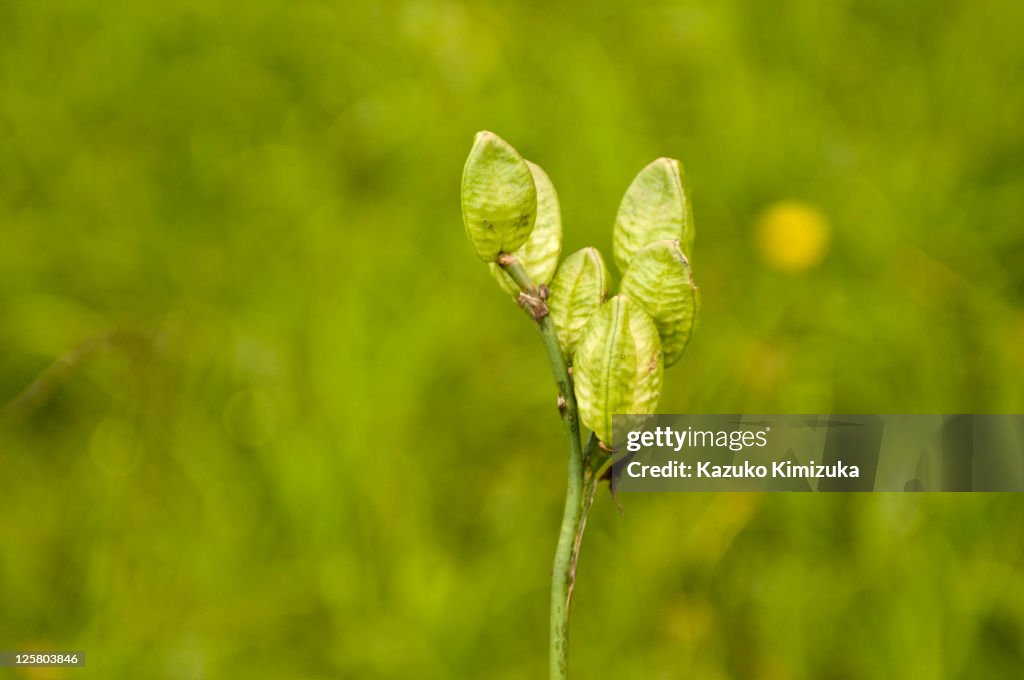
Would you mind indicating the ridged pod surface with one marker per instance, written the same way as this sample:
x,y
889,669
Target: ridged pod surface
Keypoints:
x,y
578,289
655,207
618,366
499,198
539,255
659,279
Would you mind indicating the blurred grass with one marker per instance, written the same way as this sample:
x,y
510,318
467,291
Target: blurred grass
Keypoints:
x,y
301,433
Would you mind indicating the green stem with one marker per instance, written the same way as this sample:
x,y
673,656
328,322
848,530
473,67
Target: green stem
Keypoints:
x,y
563,574
593,458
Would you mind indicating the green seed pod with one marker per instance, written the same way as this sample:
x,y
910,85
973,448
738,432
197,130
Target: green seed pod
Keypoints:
x,y
578,289
659,279
539,255
499,199
618,366
656,207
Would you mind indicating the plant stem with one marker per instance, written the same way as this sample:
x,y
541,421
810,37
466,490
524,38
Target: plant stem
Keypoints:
x,y
563,575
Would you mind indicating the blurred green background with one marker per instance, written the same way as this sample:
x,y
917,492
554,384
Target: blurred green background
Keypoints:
x,y
266,416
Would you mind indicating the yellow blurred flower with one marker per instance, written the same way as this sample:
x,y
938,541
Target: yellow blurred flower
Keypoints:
x,y
792,236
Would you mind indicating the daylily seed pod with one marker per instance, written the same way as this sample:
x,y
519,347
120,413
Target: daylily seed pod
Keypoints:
x,y
659,279
499,198
539,255
578,289
655,207
618,367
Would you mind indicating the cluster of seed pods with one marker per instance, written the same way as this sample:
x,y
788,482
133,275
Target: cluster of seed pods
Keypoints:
x,y
617,346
